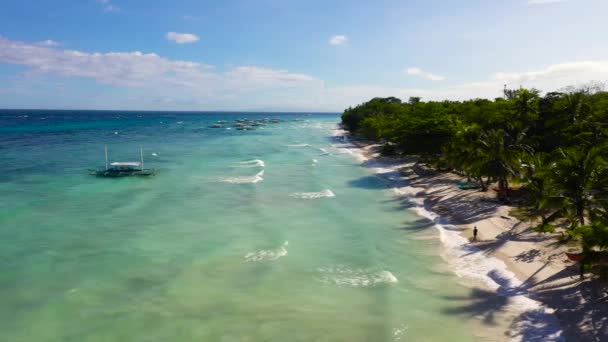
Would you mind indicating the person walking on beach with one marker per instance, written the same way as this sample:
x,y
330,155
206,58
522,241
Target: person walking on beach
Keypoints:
x,y
475,230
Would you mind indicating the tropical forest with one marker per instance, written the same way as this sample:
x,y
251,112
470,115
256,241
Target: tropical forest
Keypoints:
x,y
544,153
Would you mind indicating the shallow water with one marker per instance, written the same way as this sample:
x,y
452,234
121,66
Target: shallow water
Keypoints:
x,y
270,235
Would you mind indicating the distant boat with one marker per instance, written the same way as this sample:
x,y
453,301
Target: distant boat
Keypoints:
x,y
123,169
217,125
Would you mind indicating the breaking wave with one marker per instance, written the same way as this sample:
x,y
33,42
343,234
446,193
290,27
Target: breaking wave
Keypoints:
x,y
258,177
312,195
251,163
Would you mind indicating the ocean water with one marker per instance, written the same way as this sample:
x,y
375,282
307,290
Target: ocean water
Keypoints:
x,y
267,235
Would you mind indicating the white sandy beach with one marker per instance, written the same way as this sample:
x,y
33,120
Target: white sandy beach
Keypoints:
x,y
522,284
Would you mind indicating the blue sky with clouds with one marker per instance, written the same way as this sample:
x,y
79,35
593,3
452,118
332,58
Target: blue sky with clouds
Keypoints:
x,y
290,55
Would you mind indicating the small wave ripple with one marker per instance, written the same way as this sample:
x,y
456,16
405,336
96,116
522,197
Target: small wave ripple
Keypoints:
x,y
258,177
251,163
313,195
344,276
267,254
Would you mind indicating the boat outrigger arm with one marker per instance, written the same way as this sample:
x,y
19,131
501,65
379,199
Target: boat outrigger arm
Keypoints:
x,y
123,169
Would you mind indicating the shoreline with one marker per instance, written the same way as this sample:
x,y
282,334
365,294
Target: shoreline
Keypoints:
x,y
514,273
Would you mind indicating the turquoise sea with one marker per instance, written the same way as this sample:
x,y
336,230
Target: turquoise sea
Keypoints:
x,y
275,234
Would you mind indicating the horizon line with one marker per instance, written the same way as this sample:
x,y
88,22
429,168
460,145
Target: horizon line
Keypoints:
x,y
179,111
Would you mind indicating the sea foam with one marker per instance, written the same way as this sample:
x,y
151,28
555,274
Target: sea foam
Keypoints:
x,y
313,195
344,276
399,332
267,254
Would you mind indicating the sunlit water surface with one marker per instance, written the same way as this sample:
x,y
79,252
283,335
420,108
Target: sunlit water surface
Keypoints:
x,y
276,234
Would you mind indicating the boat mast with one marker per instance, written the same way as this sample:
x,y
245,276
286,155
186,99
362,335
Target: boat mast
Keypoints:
x,y
106,148
141,153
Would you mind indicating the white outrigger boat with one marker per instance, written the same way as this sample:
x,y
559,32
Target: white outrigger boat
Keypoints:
x,y
124,169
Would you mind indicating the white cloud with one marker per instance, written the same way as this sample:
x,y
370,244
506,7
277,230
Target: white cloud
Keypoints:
x,y
421,73
338,40
191,85
250,77
117,68
145,70
549,78
542,2
48,42
182,38
557,74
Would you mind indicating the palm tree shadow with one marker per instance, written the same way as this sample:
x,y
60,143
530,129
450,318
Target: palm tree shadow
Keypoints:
x,y
528,256
487,303
583,304
479,303
468,212
534,324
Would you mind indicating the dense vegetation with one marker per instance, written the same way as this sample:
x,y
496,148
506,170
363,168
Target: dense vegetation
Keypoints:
x,y
552,147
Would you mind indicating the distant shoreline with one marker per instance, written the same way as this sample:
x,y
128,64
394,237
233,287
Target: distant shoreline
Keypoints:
x,y
528,272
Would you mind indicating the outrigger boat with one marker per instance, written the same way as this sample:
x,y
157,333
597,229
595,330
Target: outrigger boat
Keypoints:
x,y
123,169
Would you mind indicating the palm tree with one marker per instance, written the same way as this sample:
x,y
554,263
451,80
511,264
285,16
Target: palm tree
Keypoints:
x,y
525,105
593,235
498,159
576,105
574,177
462,152
535,172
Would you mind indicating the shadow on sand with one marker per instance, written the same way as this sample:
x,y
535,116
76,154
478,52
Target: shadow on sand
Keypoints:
x,y
494,306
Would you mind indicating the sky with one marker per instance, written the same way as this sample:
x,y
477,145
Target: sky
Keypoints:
x,y
287,55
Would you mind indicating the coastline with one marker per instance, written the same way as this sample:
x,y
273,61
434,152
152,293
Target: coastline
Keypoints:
x,y
517,276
